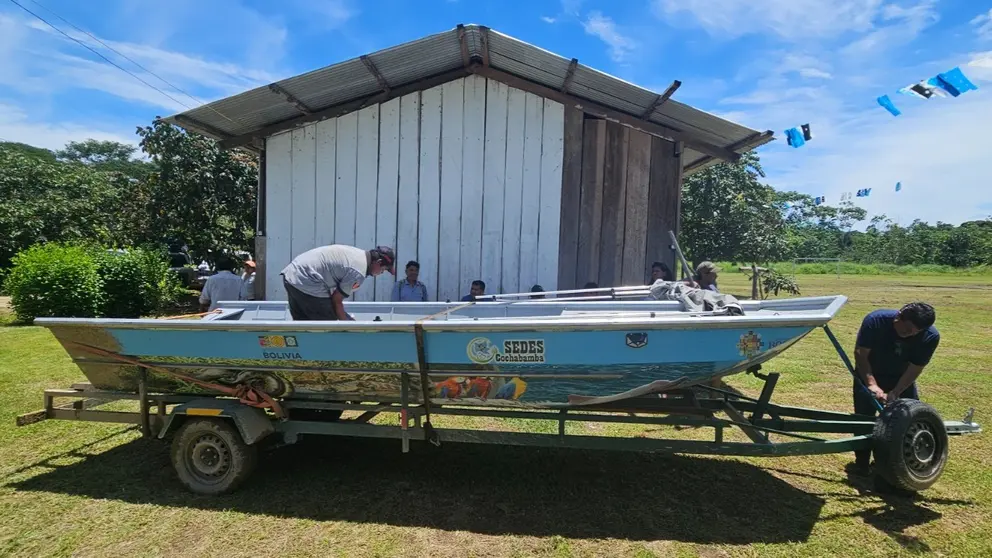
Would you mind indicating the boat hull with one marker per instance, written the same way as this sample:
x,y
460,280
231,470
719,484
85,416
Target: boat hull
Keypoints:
x,y
515,367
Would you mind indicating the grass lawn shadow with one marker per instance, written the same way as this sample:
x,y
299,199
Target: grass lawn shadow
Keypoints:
x,y
489,490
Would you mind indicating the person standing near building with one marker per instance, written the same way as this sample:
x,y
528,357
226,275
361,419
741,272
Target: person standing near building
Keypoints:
x,y
248,281
221,286
478,289
318,280
410,289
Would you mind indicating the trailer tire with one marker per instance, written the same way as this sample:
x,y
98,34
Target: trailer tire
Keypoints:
x,y
910,445
210,456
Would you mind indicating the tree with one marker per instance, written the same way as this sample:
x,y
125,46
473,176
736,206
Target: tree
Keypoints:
x,y
106,156
28,151
728,214
198,193
42,201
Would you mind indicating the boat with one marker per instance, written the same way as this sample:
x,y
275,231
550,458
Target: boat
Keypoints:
x,y
572,350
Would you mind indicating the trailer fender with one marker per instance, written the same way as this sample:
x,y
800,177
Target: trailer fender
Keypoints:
x,y
252,423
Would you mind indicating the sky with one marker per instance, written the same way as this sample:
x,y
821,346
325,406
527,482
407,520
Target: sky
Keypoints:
x,y
766,64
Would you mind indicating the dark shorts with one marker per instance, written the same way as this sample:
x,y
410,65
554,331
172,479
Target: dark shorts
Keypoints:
x,y
304,307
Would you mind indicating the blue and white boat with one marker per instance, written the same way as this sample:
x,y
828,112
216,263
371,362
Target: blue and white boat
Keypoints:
x,y
556,352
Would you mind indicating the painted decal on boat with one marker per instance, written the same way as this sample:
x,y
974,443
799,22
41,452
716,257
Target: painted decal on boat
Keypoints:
x,y
283,356
277,341
637,340
514,351
750,344
478,387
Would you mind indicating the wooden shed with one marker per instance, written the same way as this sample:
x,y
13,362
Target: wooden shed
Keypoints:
x,y
475,154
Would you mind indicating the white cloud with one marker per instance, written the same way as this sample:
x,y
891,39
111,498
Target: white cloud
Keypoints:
x,y
798,20
15,125
36,60
605,29
905,24
937,148
881,25
571,7
333,13
229,26
983,25
814,73
547,19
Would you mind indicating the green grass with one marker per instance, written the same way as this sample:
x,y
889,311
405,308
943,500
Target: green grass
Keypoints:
x,y
852,268
86,489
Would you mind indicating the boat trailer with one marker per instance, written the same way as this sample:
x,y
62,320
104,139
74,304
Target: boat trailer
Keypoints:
x,y
215,440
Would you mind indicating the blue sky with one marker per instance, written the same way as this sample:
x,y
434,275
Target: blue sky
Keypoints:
x,y
767,64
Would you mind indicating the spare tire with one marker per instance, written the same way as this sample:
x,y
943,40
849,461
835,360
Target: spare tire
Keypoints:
x,y
910,445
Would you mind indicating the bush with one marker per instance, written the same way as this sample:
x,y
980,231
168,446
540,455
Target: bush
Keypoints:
x,y
136,282
54,280
76,281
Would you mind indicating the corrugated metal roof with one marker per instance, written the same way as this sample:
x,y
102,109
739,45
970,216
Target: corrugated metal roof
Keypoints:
x,y
258,111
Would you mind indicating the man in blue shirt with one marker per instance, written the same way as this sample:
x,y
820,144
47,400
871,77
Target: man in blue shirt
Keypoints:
x,y
410,289
892,349
478,289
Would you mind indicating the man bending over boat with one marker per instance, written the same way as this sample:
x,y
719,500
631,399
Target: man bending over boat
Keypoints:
x,y
318,280
892,348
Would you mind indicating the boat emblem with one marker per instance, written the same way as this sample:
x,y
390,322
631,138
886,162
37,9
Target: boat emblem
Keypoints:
x,y
481,350
512,351
637,340
277,341
750,344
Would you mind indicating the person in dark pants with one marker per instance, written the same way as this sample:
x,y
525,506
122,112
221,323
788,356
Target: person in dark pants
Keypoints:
x,y
893,347
318,280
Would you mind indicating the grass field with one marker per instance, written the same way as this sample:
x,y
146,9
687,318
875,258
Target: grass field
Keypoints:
x,y
78,489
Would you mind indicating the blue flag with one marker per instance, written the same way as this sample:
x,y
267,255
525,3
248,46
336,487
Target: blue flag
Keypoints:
x,y
954,82
898,186
886,103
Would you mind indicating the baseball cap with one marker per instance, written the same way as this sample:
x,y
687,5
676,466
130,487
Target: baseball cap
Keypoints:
x,y
706,267
388,258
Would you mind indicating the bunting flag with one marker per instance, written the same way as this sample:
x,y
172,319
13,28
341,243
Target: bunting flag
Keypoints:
x,y
864,192
797,138
898,186
952,82
886,103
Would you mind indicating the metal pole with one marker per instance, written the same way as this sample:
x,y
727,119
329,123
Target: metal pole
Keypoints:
x,y
146,428
850,367
685,264
610,292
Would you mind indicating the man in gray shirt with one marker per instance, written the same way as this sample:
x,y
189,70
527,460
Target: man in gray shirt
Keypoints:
x,y
318,281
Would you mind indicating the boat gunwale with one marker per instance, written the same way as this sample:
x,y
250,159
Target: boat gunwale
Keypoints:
x,y
812,319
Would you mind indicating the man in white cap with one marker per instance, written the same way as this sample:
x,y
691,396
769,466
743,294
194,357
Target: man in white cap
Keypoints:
x,y
318,280
248,281
705,276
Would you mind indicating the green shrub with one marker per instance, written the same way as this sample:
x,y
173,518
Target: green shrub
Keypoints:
x,y
84,280
136,282
54,280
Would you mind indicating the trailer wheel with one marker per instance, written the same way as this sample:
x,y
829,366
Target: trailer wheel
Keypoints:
x,y
910,445
210,457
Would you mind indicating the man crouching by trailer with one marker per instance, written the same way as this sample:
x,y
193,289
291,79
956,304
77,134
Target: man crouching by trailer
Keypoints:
x,y
318,280
892,349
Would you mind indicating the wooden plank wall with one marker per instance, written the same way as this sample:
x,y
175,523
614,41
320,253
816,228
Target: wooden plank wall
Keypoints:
x,y
465,178
621,190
